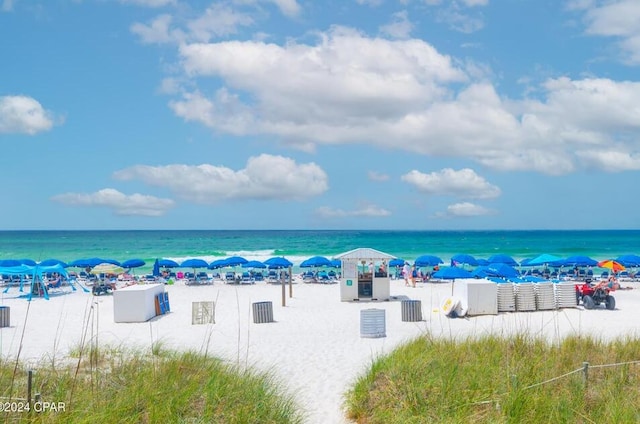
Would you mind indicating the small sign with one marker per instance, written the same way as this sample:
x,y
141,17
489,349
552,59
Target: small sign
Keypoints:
x,y
349,282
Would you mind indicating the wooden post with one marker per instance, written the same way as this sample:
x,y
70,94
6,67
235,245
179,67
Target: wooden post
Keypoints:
x,y
284,295
29,386
585,374
290,283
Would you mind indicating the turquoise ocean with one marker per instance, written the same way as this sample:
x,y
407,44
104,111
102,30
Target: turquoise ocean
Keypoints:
x,y
298,245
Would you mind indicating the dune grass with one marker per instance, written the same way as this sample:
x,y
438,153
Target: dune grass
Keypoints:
x,y
113,386
489,380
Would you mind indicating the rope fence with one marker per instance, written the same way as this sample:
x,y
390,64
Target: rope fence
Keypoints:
x,y
584,370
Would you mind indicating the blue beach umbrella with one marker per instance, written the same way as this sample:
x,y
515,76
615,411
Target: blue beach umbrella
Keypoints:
x,y
629,260
91,262
194,263
336,263
396,262
502,270
578,260
428,260
133,263
168,263
218,263
8,263
463,258
156,268
544,259
254,264
451,273
501,258
278,262
315,261
235,261
29,262
52,262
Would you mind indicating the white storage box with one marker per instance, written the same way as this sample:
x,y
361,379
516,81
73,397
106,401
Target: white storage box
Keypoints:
x,y
480,297
136,303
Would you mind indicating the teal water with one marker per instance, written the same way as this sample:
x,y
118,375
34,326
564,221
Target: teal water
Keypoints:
x,y
297,245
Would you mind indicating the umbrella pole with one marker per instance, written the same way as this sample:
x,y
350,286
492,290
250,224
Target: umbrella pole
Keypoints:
x,y
290,284
284,295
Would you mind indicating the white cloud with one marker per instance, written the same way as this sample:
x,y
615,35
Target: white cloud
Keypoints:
x,y
377,176
218,20
22,114
121,204
464,183
158,31
338,91
287,7
366,211
400,26
465,209
7,5
265,177
369,2
611,161
618,18
150,3
460,21
473,3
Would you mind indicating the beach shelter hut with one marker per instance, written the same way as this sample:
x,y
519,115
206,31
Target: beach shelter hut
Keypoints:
x,y
365,275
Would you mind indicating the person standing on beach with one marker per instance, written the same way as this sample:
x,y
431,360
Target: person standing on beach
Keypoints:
x,y
414,275
406,271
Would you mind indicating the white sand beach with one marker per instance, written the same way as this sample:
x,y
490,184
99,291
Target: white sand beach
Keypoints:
x,y
314,347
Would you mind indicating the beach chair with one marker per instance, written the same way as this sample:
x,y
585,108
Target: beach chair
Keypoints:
x,y
258,276
203,278
102,286
246,278
272,277
230,278
309,277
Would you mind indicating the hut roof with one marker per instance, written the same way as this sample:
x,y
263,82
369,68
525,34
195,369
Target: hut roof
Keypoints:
x,y
364,253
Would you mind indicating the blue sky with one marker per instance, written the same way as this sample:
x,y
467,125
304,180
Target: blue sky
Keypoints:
x,y
287,114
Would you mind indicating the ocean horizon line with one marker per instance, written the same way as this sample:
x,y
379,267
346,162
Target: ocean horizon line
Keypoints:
x,y
328,230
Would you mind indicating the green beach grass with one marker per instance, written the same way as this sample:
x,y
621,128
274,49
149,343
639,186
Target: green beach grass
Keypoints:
x,y
112,386
487,380
497,380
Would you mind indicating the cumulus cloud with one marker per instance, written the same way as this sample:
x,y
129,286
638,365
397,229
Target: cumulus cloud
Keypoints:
x,y
615,19
610,160
149,3
121,204
366,211
399,27
218,20
464,209
463,183
377,176
265,177
338,91
22,114
158,31
7,5
287,7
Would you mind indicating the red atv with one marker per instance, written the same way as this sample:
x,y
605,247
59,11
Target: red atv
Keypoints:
x,y
593,296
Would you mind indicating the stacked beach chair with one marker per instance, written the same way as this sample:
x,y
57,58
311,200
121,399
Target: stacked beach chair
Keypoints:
x,y
565,292
525,296
506,297
545,295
